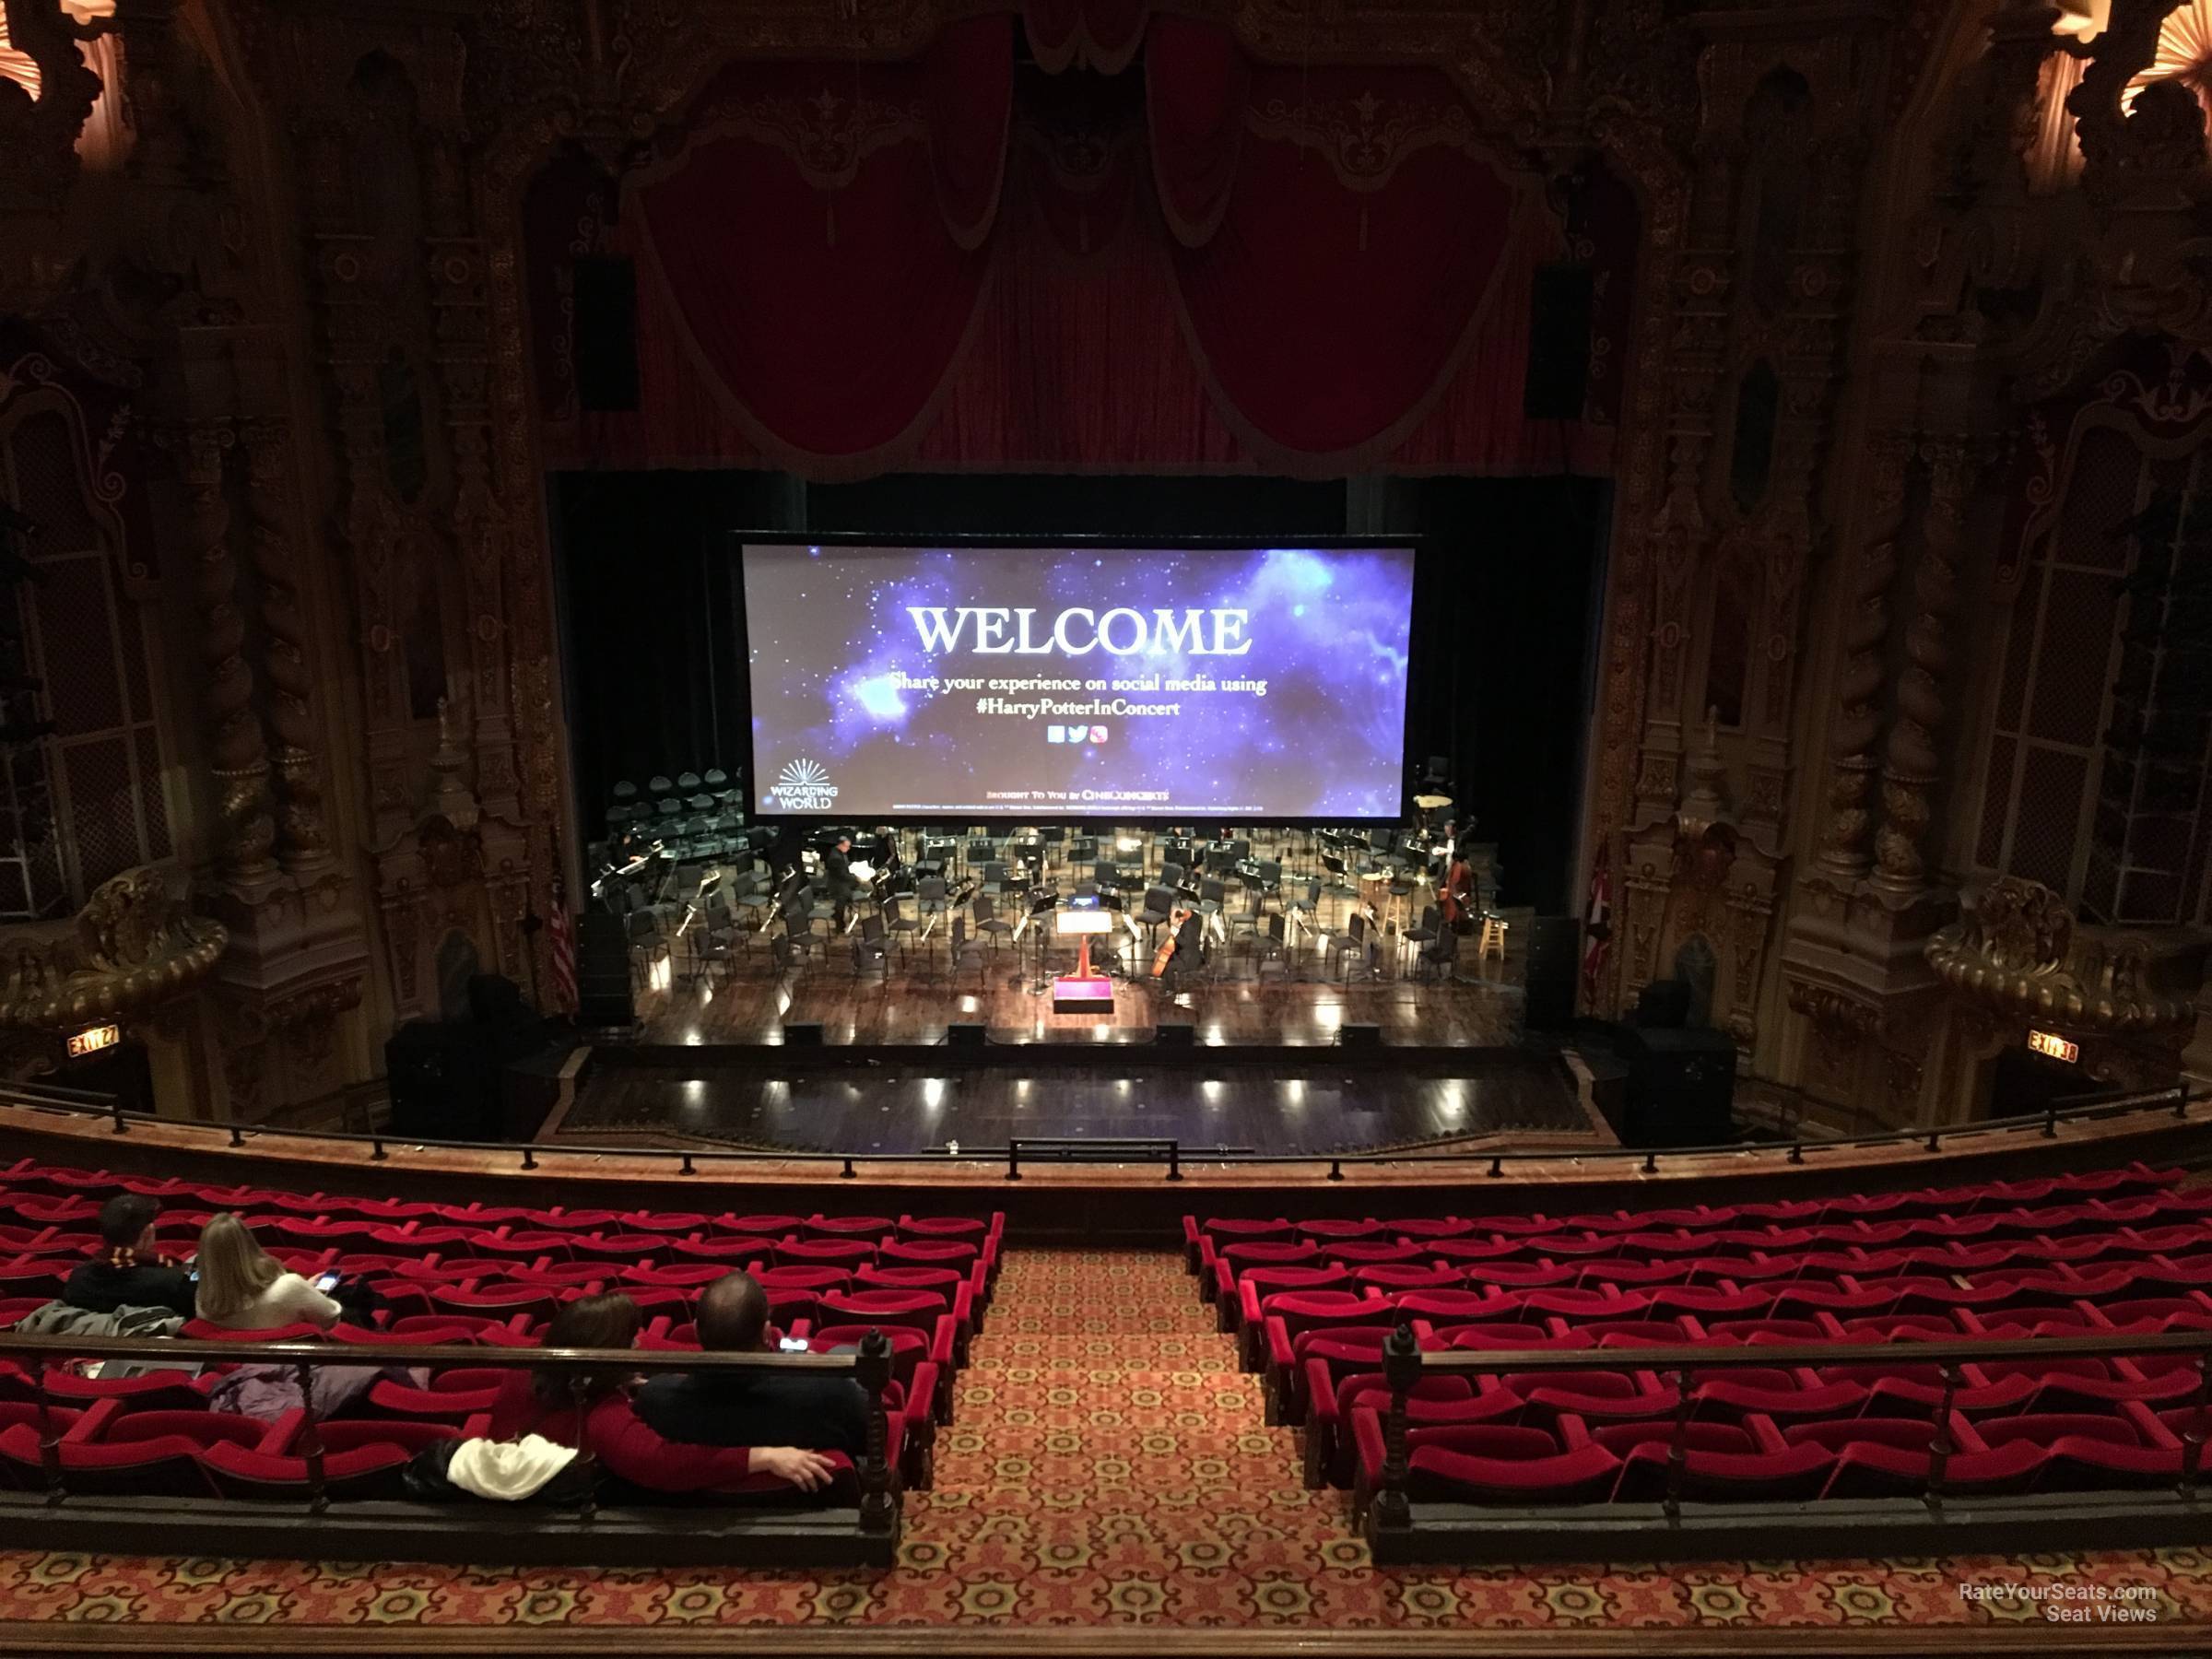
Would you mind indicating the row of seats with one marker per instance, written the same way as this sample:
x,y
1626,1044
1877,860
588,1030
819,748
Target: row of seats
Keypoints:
x,y
471,1277
2109,1253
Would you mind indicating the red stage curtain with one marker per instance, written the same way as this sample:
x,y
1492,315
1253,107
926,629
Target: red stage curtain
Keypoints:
x,y
821,235
1097,34
1363,221
1210,265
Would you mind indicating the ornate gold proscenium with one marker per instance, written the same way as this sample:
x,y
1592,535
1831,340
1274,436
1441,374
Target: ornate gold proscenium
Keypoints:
x,y
2020,949
130,950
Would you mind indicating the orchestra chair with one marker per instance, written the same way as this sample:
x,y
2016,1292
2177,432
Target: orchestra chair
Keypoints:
x,y
1440,955
1425,934
988,922
1160,903
871,945
964,952
901,927
647,947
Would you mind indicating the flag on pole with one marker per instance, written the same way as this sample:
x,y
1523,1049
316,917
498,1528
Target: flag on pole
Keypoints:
x,y
563,930
1597,922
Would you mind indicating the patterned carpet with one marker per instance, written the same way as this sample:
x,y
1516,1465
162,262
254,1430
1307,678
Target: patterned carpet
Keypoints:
x,y
1109,1467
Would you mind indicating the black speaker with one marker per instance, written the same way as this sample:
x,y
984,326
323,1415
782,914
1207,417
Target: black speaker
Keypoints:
x,y
805,1033
606,341
1364,1037
1561,298
602,988
444,1081
1178,1035
1663,1005
1555,949
1681,1086
964,1034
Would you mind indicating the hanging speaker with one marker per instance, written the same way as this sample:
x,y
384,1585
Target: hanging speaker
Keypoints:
x,y
606,340
1561,298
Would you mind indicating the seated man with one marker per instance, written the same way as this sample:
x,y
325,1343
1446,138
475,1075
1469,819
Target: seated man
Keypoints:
x,y
783,1407
129,1272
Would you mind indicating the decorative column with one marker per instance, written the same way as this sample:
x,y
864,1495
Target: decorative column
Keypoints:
x,y
304,834
1911,764
1846,843
238,757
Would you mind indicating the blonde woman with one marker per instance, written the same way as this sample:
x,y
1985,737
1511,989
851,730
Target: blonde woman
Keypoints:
x,y
242,1287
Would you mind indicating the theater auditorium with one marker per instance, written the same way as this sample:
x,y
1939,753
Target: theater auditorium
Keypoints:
x,y
1105,827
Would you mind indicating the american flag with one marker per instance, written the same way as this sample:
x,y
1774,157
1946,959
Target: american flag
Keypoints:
x,y
1597,922
563,929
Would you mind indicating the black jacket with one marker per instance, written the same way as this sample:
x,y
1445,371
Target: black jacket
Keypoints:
x,y
837,871
758,1408
101,1287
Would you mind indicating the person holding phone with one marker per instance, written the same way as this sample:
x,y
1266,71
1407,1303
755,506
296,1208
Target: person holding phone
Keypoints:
x,y
244,1288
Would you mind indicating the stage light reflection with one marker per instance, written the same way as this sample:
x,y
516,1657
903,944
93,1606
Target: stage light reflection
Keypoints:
x,y
1211,1089
933,1092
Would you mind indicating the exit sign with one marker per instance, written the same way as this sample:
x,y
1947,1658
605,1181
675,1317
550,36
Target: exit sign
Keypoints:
x,y
2052,1044
92,1039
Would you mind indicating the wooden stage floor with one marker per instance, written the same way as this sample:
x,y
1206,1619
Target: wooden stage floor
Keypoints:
x,y
916,1004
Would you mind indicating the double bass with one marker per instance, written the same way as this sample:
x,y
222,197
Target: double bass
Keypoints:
x,y
1455,900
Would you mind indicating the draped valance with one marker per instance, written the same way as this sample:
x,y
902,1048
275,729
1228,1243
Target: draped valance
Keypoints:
x,y
1203,262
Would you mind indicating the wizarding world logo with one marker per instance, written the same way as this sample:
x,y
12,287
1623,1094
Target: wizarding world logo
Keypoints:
x,y
803,787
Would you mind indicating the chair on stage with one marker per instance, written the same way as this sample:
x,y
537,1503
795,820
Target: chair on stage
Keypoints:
x,y
1271,949
1439,956
714,937
989,922
648,948
964,952
871,945
1083,849
1426,933
1159,904
1105,877
1355,945
900,928
1212,893
980,851
996,883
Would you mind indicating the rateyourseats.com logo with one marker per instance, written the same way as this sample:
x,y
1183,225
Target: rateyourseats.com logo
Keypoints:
x,y
802,786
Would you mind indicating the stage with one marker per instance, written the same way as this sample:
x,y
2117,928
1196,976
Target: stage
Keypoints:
x,y
753,1003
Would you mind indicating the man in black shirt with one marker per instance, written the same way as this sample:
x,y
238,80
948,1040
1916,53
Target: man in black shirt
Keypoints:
x,y
783,1407
129,1272
836,876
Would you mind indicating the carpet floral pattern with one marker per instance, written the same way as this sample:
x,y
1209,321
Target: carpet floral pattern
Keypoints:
x,y
1109,1466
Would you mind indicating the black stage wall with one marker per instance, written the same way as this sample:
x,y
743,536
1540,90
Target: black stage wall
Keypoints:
x,y
1503,633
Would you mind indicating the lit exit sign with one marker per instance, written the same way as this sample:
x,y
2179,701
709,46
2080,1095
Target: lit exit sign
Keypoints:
x,y
92,1039
2052,1044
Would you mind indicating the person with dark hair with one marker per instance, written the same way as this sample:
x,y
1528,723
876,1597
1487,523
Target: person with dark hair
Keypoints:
x,y
743,1409
545,1403
129,1271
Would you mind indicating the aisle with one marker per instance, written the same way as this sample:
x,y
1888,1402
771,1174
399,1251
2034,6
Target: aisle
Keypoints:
x,y
1108,1466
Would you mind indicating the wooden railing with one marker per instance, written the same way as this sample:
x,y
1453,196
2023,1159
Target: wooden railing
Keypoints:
x,y
1171,1153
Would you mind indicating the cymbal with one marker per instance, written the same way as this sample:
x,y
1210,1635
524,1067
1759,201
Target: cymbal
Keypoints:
x,y
1431,803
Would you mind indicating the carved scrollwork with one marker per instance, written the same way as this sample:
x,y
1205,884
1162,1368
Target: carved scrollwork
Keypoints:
x,y
130,950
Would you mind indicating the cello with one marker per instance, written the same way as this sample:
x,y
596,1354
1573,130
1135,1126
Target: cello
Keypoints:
x,y
1166,953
